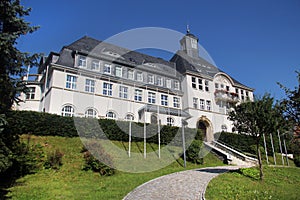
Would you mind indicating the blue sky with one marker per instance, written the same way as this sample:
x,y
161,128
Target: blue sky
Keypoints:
x,y
256,42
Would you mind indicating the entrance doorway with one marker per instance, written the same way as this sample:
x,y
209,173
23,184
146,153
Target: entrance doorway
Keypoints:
x,y
205,126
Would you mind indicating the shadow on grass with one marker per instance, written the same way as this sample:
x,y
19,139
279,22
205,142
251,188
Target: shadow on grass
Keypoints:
x,y
214,170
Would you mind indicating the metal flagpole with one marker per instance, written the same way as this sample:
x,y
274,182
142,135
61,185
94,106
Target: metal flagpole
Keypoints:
x,y
183,142
129,146
286,156
145,147
274,156
158,130
280,147
266,151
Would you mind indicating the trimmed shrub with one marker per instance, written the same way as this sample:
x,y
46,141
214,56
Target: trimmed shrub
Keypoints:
x,y
192,153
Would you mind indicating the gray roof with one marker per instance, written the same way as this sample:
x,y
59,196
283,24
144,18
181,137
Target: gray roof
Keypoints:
x,y
90,46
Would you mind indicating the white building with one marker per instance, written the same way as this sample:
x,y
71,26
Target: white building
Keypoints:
x,y
90,78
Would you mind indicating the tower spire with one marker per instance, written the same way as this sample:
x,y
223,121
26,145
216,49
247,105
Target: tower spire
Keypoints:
x,y
187,28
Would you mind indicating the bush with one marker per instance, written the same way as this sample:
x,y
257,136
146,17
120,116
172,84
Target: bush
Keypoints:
x,y
192,153
54,160
297,160
102,163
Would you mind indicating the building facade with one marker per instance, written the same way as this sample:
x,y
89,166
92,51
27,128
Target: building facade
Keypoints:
x,y
90,78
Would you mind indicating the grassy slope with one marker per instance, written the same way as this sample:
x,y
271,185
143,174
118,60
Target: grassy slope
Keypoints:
x,y
70,182
279,183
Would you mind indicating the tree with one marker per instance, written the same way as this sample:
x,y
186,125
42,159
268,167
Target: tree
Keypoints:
x,y
12,67
291,109
256,118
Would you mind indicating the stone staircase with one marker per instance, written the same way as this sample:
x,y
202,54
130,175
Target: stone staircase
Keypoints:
x,y
231,155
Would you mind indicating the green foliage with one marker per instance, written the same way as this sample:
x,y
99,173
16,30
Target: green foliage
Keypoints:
x,y
192,153
250,172
98,161
54,160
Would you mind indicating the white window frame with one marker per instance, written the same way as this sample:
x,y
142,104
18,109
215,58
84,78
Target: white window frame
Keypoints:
x,y
195,103
151,97
176,102
202,104
91,113
130,74
82,61
170,121
89,85
208,105
123,92
68,111
159,81
200,84
129,117
206,85
111,115
194,43
71,82
150,79
139,76
169,83
30,94
118,71
176,85
164,100
95,65
107,68
138,95
107,89
194,85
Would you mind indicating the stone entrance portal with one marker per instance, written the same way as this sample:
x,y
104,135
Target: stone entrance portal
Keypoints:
x,y
205,126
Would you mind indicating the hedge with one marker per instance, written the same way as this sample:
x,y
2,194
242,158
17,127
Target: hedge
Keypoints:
x,y
45,124
247,143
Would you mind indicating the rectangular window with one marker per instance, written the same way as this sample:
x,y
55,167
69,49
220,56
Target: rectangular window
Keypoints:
x,y
176,85
138,95
195,103
139,76
150,79
107,89
227,88
95,65
200,85
118,71
130,74
107,69
168,83
151,97
193,82
82,61
89,85
202,104
176,102
30,94
71,82
159,81
216,85
123,92
208,105
164,100
206,86
242,95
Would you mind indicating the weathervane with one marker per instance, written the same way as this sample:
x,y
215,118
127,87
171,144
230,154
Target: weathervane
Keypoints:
x,y
187,28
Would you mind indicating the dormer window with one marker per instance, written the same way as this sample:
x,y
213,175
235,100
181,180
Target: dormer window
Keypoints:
x,y
82,61
95,65
150,79
139,76
118,71
107,69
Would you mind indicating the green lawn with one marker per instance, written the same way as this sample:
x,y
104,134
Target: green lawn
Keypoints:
x,y
70,182
280,183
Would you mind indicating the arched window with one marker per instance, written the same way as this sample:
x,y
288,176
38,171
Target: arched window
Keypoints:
x,y
153,119
90,113
170,121
224,128
111,115
129,117
67,111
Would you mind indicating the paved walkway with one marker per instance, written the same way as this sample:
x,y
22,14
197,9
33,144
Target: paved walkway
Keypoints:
x,y
185,185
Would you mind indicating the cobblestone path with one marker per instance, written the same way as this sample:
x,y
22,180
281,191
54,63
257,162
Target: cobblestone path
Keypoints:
x,y
185,185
